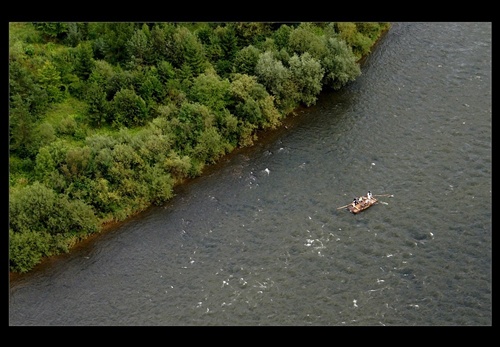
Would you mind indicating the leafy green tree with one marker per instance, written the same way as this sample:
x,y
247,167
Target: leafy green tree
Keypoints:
x,y
68,126
38,208
271,73
101,74
128,109
45,164
56,181
188,124
210,90
126,156
245,87
253,104
50,79
58,150
114,40
98,106
103,160
228,126
26,249
271,115
138,47
251,33
211,146
64,60
21,127
74,35
178,166
307,75
52,30
158,44
281,36
188,50
372,30
278,81
160,184
249,111
104,199
228,40
121,79
78,162
84,63
304,39
25,90
44,135
166,71
149,85
359,43
246,59
339,63
225,43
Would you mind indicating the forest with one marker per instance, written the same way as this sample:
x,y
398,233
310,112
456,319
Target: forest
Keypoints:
x,y
105,119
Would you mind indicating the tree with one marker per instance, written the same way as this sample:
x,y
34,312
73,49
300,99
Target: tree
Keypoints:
x,y
98,106
339,63
253,104
52,30
307,75
303,39
21,127
138,47
84,63
50,79
246,59
359,43
210,90
76,33
158,44
24,89
277,80
128,109
188,50
26,249
44,164
149,86
160,184
38,208
211,146
251,33
114,40
281,36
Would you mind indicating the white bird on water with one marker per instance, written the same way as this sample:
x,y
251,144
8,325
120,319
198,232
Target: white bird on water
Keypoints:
x,y
267,171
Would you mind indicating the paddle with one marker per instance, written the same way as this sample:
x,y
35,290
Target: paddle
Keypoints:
x,y
389,195
338,208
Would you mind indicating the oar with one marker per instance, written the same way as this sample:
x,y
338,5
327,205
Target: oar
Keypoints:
x,y
338,208
389,195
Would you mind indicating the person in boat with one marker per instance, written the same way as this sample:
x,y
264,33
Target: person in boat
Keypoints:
x,y
369,196
355,202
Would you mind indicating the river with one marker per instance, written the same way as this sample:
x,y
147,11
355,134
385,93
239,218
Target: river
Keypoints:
x,y
246,246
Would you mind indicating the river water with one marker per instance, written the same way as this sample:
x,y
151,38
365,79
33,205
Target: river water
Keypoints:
x,y
242,246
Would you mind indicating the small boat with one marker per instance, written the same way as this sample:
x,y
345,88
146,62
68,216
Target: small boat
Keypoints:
x,y
363,204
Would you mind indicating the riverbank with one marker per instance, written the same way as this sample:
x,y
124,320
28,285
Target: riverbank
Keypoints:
x,y
263,137
107,226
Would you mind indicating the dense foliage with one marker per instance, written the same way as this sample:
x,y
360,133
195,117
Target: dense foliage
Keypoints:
x,y
106,118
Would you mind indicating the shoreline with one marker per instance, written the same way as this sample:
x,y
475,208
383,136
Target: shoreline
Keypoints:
x,y
263,136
